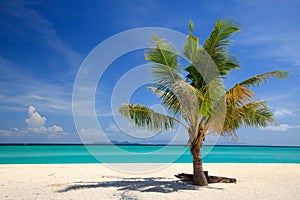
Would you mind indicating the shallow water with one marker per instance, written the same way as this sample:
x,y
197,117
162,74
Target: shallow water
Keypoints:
x,y
53,154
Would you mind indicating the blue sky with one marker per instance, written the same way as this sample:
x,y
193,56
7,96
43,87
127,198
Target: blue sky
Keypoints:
x,y
43,43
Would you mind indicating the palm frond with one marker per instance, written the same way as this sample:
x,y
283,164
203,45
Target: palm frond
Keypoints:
x,y
141,116
167,97
226,63
191,100
238,96
217,105
202,68
164,62
236,99
174,91
194,76
260,78
218,43
185,99
256,114
253,114
218,39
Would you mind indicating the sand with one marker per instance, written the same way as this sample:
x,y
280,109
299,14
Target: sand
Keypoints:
x,y
96,181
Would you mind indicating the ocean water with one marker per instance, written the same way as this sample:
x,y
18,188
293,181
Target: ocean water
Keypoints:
x,y
55,154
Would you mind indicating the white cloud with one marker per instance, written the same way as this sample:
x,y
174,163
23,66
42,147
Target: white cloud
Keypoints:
x,y
92,135
5,132
37,132
36,123
34,120
55,129
104,114
283,112
281,127
112,128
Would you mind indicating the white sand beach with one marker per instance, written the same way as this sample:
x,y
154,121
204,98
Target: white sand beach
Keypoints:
x,y
95,181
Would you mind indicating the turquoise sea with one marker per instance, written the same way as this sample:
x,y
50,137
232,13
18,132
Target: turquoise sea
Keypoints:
x,y
53,154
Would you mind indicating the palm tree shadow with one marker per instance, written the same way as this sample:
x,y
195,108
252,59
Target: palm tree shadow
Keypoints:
x,y
137,184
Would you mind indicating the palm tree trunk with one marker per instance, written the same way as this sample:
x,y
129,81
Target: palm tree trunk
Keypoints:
x,y
199,176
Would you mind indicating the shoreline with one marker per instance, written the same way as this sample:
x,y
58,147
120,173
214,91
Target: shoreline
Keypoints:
x,y
64,154
97,181
137,144
161,163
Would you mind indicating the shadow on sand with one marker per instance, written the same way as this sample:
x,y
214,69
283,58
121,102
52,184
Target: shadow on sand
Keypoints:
x,y
151,184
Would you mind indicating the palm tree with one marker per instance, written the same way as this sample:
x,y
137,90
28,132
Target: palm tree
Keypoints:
x,y
198,101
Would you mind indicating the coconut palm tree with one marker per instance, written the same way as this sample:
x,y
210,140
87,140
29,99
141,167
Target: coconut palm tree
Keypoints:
x,y
198,101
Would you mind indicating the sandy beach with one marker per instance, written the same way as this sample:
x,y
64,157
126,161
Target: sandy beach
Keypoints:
x,y
95,181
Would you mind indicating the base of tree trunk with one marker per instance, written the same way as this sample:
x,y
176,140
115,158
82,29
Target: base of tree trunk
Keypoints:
x,y
210,179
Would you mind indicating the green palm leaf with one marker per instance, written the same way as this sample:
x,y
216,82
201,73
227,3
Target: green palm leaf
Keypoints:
x,y
175,93
141,116
202,69
217,46
167,97
260,78
163,62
